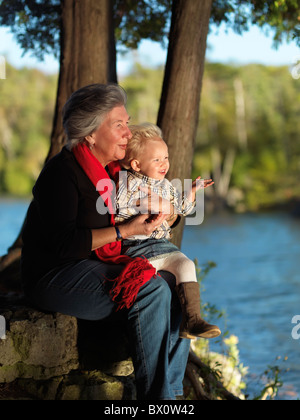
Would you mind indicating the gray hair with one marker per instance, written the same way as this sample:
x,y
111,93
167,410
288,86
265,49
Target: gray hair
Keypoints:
x,y
87,108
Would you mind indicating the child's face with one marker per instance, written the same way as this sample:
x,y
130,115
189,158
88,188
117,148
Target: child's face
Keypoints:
x,y
154,162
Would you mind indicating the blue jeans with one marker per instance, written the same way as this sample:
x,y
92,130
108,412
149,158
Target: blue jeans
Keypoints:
x,y
149,248
159,355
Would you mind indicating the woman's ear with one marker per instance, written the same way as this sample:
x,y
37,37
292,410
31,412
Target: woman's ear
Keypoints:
x,y
135,165
90,141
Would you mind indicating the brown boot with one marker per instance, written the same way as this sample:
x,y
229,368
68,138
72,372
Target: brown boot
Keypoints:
x,y
193,325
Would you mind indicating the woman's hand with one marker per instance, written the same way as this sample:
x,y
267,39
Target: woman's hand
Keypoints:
x,y
154,204
142,225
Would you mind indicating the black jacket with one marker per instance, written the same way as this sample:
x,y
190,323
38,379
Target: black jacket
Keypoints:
x,y
60,218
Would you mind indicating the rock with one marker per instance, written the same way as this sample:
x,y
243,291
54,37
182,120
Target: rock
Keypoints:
x,y
37,345
80,386
57,357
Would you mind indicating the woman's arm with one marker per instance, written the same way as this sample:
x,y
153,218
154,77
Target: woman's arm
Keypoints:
x,y
140,225
101,237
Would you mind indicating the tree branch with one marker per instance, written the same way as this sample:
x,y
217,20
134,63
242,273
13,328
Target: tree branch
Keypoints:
x,y
8,259
196,364
193,377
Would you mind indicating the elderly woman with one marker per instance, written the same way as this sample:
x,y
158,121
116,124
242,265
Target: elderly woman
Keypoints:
x,y
71,250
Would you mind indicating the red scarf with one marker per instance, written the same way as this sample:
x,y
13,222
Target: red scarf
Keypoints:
x,y
137,271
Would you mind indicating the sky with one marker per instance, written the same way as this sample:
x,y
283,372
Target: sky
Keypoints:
x,y
224,47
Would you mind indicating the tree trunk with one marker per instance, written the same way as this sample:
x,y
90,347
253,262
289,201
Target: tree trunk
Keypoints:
x,y
88,55
241,125
179,109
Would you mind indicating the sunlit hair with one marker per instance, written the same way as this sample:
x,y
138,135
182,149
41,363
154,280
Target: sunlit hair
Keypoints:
x,y
87,108
141,134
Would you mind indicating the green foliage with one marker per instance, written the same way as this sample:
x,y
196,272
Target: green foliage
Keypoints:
x,y
225,365
282,17
26,113
264,170
270,391
17,180
144,19
272,379
267,160
143,87
37,23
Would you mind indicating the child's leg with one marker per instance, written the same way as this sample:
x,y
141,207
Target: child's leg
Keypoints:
x,y
178,264
188,291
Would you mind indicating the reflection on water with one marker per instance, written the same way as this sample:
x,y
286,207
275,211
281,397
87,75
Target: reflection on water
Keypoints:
x,y
257,282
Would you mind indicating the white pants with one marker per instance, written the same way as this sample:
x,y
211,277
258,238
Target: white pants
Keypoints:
x,y
178,264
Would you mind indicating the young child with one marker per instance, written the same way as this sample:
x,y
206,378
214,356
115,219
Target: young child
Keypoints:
x,y
147,163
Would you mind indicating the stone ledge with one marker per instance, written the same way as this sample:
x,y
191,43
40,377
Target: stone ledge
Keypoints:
x,y
37,345
54,356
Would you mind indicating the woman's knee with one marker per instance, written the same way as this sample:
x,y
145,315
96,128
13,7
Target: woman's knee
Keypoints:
x,y
157,290
163,286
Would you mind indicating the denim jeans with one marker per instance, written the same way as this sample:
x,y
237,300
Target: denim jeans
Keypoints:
x,y
159,355
149,248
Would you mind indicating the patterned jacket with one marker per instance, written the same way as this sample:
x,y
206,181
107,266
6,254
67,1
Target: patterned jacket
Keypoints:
x,y
128,195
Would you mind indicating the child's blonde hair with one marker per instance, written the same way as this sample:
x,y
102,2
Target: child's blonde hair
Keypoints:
x,y
140,135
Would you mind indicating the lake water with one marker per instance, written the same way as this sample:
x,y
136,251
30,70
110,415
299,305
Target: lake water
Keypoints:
x,y
256,281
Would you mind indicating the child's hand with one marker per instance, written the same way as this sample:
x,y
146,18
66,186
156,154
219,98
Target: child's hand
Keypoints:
x,y
198,184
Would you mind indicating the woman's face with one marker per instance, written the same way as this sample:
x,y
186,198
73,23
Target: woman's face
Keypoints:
x,y
110,140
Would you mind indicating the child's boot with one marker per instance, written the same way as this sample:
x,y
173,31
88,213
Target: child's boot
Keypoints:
x,y
193,325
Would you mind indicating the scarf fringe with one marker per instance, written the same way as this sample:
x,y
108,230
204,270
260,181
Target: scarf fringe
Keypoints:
x,y
127,285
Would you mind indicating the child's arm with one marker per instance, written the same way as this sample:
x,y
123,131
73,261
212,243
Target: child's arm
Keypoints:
x,y
185,203
197,185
